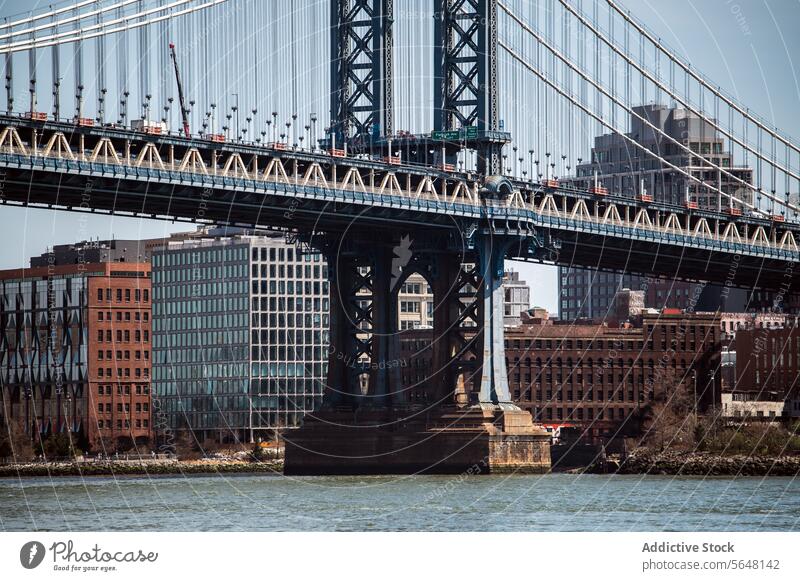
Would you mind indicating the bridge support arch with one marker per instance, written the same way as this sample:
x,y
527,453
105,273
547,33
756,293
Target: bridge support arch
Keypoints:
x,y
367,423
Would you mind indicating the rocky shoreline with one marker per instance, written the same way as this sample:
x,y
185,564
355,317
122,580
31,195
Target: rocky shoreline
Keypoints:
x,y
676,463
143,468
640,461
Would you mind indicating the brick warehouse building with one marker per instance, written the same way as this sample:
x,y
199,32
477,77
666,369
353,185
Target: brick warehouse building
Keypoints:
x,y
593,377
768,362
75,353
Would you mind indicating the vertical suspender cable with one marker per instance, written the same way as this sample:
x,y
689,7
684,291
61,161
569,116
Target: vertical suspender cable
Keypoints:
x,y
100,57
122,69
191,62
207,74
786,174
163,78
78,72
294,71
612,70
719,174
551,74
56,70
539,120
567,129
140,48
774,180
758,161
146,54
656,88
226,57
597,66
583,130
643,85
32,74
9,70
256,70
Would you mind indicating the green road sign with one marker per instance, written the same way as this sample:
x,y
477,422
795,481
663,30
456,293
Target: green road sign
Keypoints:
x,y
468,132
445,135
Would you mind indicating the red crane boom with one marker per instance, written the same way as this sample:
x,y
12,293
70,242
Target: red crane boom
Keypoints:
x,y
184,110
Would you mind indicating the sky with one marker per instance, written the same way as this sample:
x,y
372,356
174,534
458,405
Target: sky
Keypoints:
x,y
749,47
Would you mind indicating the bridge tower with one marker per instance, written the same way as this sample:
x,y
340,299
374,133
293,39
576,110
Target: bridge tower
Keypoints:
x,y
465,417
361,70
465,77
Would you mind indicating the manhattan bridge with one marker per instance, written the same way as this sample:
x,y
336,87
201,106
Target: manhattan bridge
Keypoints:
x,y
462,127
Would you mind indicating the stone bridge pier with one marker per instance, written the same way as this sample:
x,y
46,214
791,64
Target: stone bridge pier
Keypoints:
x,y
462,417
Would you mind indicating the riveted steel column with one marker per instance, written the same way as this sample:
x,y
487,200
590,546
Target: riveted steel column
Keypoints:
x,y
342,380
384,321
494,376
445,315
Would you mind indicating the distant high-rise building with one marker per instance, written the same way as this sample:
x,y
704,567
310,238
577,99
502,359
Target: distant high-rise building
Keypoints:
x,y
624,168
517,298
240,328
627,170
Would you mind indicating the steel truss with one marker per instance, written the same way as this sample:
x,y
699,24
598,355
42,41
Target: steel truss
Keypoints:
x,y
361,69
465,69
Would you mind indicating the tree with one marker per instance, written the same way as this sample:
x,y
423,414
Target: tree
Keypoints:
x,y
57,446
670,421
15,443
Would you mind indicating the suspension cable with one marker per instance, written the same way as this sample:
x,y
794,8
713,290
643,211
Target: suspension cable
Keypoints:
x,y
688,69
684,102
632,141
628,109
79,33
65,21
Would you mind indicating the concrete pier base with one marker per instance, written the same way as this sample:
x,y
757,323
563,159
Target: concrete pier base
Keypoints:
x,y
476,440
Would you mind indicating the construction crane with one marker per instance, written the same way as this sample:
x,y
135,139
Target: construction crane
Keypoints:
x,y
184,110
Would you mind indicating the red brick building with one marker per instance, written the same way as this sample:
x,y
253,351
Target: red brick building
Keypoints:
x,y
75,353
768,362
600,379
592,377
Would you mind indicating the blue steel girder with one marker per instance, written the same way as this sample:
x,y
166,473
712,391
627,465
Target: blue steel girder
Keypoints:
x,y
361,68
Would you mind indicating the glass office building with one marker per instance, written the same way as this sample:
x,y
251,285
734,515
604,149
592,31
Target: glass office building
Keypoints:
x,y
240,336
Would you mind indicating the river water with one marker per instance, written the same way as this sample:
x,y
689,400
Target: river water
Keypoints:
x,y
554,502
